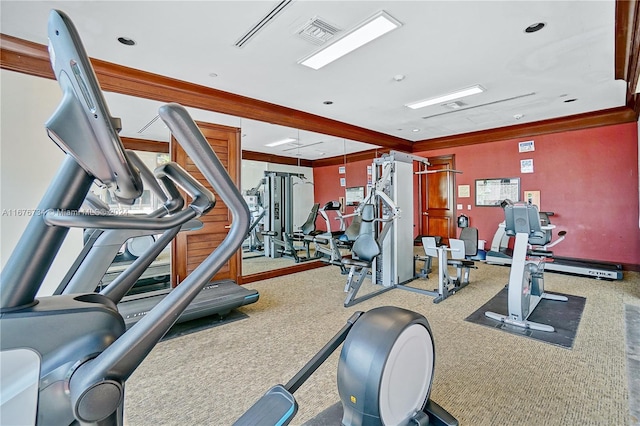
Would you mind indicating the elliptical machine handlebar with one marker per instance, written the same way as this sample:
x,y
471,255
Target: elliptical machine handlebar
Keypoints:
x,y
202,200
106,373
148,179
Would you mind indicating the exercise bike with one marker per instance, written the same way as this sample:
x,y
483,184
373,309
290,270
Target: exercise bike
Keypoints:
x,y
526,277
65,358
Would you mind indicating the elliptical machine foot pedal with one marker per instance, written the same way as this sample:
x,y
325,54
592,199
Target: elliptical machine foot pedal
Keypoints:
x,y
438,416
276,407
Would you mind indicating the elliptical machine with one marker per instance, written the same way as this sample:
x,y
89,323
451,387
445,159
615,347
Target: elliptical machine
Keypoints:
x,y
65,358
526,278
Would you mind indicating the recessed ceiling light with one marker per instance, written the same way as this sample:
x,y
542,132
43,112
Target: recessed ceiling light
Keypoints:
x,y
213,74
281,142
374,27
415,130
535,27
398,77
518,116
328,102
127,41
473,90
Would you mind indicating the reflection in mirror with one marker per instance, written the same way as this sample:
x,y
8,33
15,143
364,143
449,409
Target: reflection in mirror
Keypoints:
x,y
158,275
267,148
280,198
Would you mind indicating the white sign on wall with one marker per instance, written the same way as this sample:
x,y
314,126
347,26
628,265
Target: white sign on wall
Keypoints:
x,y
526,146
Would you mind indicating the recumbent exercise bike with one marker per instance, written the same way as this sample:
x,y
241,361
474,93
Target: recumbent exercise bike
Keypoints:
x,y
526,277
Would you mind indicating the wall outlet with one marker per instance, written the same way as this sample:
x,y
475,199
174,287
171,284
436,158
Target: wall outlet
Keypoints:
x,y
459,206
468,206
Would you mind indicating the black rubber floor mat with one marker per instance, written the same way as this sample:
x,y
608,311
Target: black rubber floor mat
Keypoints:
x,y
563,316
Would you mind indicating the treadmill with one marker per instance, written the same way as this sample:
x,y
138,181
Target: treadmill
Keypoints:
x,y
566,265
87,273
501,255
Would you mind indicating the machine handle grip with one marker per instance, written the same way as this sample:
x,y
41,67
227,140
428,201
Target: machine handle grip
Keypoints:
x,y
76,219
148,179
203,200
118,361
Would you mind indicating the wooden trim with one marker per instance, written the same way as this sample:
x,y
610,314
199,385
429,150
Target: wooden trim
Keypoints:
x,y
25,57
575,122
145,145
275,159
627,48
634,51
296,267
623,37
630,267
32,58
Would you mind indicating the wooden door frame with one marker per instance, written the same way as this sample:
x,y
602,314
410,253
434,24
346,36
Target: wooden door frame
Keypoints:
x,y
178,268
450,194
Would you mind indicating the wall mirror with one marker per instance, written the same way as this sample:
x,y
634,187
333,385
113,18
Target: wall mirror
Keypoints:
x,y
266,149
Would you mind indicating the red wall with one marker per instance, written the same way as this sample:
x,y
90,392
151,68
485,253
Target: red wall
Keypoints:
x,y
326,183
588,178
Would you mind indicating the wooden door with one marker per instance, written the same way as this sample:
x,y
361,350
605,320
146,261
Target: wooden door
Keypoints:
x,y
438,213
191,248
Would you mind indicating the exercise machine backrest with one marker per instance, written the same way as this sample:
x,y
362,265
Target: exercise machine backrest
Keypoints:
x,y
524,218
309,226
470,237
366,247
353,230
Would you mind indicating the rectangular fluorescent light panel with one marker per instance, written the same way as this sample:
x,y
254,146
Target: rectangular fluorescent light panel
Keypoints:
x,y
281,142
374,27
473,90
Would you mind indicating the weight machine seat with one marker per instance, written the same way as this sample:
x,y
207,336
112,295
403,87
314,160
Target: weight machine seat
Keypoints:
x,y
356,262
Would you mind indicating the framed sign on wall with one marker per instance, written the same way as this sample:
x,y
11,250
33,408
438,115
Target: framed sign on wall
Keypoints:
x,y
491,192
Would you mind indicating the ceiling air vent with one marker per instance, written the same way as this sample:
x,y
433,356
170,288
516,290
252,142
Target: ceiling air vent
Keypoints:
x,y
317,31
262,23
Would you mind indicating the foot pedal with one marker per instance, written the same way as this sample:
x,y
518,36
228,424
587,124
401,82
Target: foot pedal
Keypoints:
x,y
276,407
438,416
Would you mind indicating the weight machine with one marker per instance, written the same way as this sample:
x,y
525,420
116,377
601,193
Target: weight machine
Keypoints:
x,y
278,230
391,194
254,199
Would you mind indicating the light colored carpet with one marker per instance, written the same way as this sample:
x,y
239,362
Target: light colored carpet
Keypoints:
x,y
483,376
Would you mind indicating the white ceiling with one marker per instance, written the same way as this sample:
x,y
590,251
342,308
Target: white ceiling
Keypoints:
x,y
440,47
